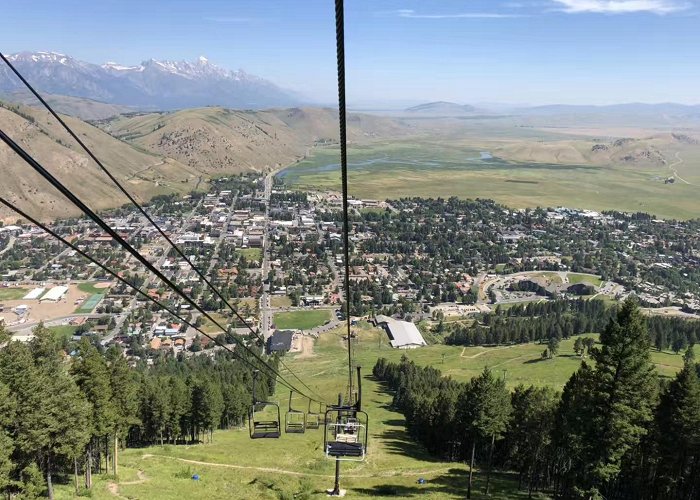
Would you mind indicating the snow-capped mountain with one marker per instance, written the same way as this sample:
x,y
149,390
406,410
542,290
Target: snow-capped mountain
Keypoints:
x,y
152,84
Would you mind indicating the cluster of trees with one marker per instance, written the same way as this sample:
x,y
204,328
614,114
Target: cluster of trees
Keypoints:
x,y
561,319
616,431
69,414
534,322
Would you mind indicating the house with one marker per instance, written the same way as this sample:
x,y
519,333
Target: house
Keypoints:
x,y
280,341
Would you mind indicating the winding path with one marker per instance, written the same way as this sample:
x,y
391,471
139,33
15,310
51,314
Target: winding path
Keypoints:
x,y
672,168
389,473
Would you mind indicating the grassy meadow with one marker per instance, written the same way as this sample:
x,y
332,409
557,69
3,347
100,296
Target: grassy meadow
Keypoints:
x,y
13,293
418,168
301,320
234,466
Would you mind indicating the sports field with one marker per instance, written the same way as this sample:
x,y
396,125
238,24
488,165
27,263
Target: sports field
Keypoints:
x,y
301,320
94,287
234,466
90,303
419,168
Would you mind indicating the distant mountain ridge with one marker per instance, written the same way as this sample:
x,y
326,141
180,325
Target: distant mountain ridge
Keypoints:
x,y
162,85
442,108
634,108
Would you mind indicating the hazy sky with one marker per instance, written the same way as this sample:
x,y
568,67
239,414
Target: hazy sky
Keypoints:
x,y
469,51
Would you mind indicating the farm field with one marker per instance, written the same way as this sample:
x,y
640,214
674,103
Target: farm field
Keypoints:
x,y
233,466
394,169
301,320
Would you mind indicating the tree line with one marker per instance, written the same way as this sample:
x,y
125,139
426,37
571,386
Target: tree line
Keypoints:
x,y
616,431
562,319
68,414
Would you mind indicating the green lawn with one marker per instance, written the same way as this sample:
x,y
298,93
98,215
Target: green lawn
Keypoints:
x,y
90,288
251,254
210,327
584,278
63,331
301,320
12,293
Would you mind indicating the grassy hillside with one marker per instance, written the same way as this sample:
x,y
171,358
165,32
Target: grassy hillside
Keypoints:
x,y
145,174
85,109
233,466
218,140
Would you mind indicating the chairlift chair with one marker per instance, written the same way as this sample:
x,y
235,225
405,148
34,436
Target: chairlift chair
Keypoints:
x,y
346,434
263,417
294,420
313,419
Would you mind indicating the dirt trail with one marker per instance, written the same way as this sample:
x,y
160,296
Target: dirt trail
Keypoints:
x,y
672,168
113,487
389,473
307,348
491,349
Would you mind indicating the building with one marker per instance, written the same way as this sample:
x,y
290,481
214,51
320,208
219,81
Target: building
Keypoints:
x,y
280,341
402,334
34,294
54,294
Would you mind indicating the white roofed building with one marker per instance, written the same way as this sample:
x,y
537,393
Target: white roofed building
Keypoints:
x,y
402,334
55,294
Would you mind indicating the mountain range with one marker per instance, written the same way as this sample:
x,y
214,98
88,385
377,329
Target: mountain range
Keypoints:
x,y
151,85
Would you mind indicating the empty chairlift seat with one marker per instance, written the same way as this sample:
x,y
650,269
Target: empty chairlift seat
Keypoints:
x,y
313,419
294,420
264,420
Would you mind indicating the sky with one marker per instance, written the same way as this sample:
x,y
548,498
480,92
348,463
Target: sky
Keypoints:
x,y
397,51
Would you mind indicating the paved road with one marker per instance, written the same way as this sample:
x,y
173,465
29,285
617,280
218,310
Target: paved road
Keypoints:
x,y
265,308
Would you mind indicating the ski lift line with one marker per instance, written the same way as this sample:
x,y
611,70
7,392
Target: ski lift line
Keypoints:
x,y
124,244
342,119
121,188
108,270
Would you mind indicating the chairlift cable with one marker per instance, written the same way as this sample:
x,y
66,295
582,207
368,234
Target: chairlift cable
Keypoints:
x,y
124,244
114,274
340,56
143,211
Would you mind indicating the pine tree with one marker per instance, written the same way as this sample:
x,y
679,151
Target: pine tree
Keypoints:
x,y
7,446
575,430
530,430
484,415
678,436
124,389
92,376
626,391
